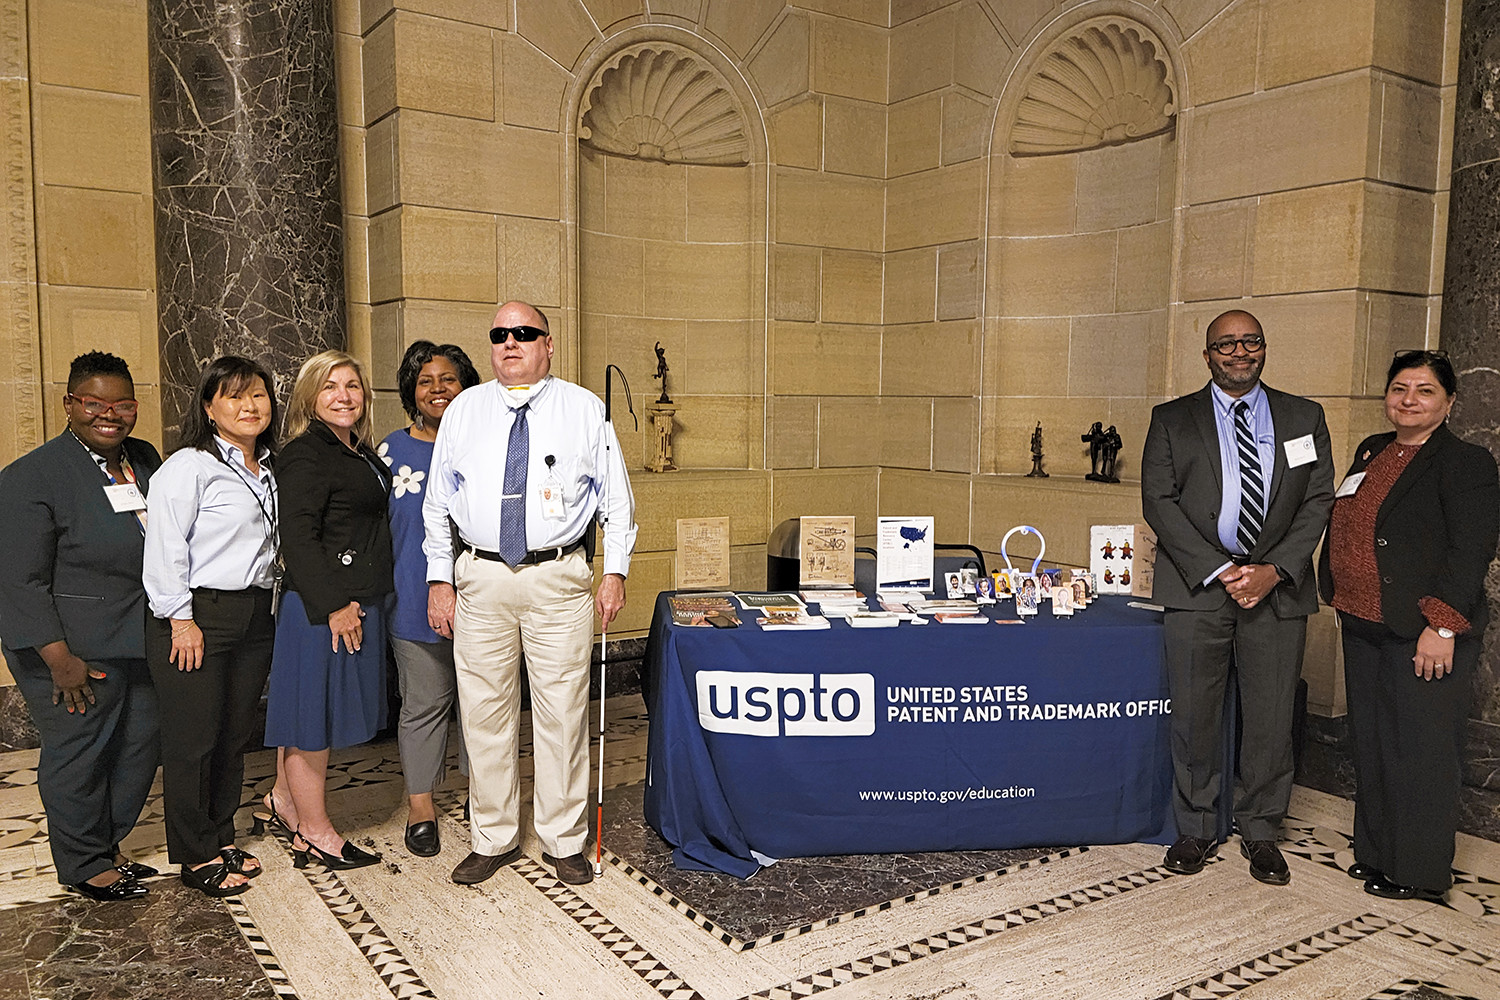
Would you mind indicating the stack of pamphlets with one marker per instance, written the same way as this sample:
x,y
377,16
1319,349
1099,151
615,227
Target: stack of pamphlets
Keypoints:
x,y
780,600
695,610
791,621
960,618
837,602
873,619
957,606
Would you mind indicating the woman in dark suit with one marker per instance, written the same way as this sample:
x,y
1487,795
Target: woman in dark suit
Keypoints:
x,y
328,670
1413,530
73,617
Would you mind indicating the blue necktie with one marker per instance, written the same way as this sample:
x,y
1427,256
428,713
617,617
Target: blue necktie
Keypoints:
x,y
1252,485
513,504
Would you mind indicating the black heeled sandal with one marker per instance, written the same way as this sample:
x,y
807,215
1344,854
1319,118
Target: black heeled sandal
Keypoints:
x,y
260,822
235,859
350,857
209,880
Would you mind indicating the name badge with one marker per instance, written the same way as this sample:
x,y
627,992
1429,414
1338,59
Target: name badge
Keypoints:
x,y
125,498
1349,485
1300,451
551,499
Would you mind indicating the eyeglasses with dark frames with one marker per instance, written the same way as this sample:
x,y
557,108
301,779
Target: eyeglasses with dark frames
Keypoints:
x,y
1413,352
1226,347
523,334
96,407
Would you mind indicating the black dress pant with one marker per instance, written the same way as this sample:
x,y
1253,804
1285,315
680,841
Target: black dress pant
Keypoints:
x,y
1265,654
96,766
207,716
1408,738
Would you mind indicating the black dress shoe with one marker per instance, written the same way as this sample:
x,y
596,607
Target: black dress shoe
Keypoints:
x,y
1188,855
1266,863
348,857
422,839
1386,889
477,867
1363,872
135,870
573,869
123,887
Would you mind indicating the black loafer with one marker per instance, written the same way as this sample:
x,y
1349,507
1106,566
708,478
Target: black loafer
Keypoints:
x,y
1386,889
477,867
573,869
136,870
1266,863
1188,855
1364,872
422,839
123,887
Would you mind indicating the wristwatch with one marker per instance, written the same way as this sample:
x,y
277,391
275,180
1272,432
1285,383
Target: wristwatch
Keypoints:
x,y
1444,633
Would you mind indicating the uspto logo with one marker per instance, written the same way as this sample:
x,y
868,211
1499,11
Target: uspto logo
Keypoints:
x,y
765,704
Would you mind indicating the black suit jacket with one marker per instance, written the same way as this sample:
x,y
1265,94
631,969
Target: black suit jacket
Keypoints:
x,y
1182,489
1435,533
333,501
72,568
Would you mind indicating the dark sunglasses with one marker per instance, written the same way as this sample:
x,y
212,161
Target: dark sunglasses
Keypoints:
x,y
1431,354
523,334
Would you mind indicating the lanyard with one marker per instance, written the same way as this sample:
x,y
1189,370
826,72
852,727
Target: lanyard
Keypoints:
x,y
125,467
269,516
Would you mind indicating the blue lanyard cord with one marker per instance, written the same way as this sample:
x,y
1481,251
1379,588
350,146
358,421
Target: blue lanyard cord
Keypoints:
x,y
125,467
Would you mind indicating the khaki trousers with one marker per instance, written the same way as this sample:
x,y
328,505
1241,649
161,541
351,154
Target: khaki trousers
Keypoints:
x,y
545,611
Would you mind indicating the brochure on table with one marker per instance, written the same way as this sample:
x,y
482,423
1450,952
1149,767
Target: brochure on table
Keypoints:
x,y
903,553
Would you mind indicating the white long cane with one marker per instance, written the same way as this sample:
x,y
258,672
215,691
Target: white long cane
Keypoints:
x,y
599,822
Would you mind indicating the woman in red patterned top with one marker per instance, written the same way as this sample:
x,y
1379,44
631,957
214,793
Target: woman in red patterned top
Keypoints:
x,y
1413,530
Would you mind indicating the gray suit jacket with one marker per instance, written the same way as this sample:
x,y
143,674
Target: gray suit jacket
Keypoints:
x,y
1182,489
72,566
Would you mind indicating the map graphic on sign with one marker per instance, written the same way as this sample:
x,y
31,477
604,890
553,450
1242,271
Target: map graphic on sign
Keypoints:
x,y
912,533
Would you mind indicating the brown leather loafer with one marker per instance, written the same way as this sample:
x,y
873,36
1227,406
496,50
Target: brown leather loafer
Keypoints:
x,y
1266,863
1188,855
573,869
477,867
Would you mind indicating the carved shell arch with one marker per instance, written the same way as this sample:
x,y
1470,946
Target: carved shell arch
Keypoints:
x,y
662,103
1106,83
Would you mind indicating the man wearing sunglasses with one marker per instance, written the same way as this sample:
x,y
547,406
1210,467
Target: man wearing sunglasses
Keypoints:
x,y
1237,483
523,468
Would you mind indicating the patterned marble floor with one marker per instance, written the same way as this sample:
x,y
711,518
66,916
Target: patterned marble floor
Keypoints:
x,y
1083,921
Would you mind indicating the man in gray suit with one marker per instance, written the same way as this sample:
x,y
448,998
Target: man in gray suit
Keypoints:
x,y
1237,483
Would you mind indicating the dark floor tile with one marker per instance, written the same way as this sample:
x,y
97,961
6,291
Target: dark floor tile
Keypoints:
x,y
794,892
174,943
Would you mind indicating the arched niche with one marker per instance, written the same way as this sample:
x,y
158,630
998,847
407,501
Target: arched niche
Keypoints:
x,y
671,212
1082,198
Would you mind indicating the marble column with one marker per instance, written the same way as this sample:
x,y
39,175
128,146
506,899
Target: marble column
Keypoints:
x,y
1471,294
249,234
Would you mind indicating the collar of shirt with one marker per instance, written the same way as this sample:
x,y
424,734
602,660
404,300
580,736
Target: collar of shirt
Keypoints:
x,y
103,462
233,454
515,396
1224,402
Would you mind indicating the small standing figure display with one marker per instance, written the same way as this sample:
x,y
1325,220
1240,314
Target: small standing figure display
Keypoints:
x,y
1112,446
1036,454
661,414
1104,448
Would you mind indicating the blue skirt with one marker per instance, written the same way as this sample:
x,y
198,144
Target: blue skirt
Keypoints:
x,y
319,699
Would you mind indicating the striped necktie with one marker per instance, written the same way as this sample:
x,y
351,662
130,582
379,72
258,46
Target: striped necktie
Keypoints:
x,y
513,503
1252,484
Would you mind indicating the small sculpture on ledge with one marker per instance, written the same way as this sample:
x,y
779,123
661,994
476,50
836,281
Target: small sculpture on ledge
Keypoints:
x,y
1036,454
660,413
1104,450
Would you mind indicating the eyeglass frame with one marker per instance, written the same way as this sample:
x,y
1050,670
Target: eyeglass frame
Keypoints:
x,y
1218,346
1408,352
533,333
107,407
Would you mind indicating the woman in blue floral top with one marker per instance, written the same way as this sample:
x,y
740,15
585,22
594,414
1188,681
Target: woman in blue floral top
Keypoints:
x,y
430,377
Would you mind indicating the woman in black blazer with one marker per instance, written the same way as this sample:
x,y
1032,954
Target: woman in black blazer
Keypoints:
x,y
73,620
1413,530
328,670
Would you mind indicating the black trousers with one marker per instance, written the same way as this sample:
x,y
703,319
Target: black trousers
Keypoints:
x,y
1265,654
207,716
1408,738
96,766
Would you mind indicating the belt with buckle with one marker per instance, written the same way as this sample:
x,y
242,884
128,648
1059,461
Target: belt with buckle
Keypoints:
x,y
531,558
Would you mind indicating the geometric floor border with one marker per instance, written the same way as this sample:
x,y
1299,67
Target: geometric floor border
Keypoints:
x,y
978,930
259,947
636,958
1396,991
738,944
1489,963
1273,963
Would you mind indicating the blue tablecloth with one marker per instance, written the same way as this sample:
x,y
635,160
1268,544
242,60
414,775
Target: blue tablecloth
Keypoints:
x,y
918,738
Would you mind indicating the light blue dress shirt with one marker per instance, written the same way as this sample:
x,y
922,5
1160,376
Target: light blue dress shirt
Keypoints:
x,y
1264,429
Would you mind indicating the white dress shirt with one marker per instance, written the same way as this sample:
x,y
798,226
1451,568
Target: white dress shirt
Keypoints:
x,y
211,522
466,482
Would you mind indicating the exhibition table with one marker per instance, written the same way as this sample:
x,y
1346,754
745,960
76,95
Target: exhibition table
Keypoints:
x,y
917,738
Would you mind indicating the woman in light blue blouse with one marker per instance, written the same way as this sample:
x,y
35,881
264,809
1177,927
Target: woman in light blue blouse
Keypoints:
x,y
210,568
429,378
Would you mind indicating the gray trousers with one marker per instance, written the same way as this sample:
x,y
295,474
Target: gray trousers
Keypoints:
x,y
96,767
1265,653
429,699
